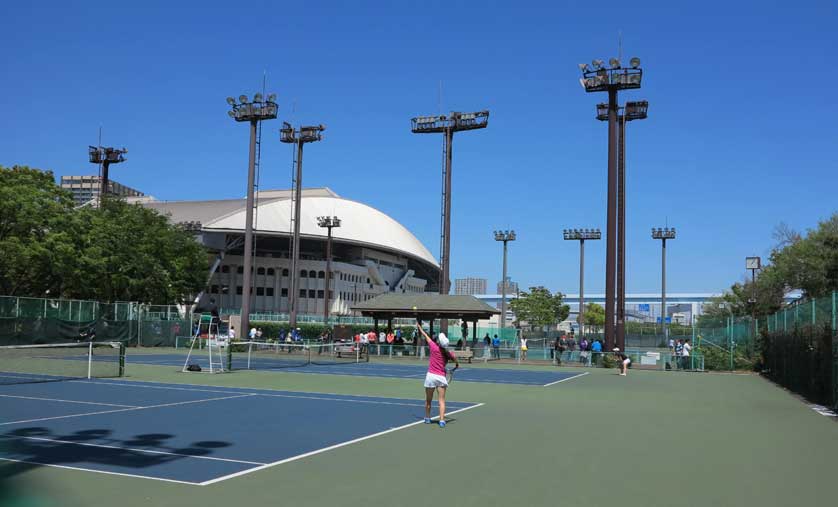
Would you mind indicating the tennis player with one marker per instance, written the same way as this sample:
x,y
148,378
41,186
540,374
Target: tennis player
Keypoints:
x,y
624,361
435,378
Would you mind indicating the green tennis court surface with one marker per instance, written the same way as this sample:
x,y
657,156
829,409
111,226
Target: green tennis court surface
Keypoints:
x,y
652,438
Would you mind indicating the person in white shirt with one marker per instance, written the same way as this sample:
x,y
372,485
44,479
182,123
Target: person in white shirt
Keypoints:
x,y
231,334
685,355
252,333
523,349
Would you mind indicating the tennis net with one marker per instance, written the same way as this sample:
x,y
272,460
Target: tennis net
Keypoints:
x,y
269,356
20,364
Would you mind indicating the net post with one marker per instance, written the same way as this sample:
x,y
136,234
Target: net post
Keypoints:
x,y
229,356
89,359
121,359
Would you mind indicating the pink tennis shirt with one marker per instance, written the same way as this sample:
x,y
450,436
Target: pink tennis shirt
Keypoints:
x,y
436,364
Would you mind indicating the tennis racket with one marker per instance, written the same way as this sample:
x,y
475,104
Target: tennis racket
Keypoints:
x,y
449,374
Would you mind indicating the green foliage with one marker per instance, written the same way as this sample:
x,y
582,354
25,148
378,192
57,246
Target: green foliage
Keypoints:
x,y
116,252
540,308
594,315
609,361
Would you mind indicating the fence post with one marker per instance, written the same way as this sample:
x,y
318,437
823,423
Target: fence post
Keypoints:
x,y
813,311
834,313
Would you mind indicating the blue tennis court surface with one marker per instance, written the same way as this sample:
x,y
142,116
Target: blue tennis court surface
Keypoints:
x,y
186,433
465,373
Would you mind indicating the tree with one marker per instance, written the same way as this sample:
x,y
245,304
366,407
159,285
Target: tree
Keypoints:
x,y
540,308
34,214
594,315
115,252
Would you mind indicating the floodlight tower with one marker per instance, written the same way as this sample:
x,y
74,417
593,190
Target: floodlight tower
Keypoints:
x,y
254,112
455,122
581,235
301,136
636,110
611,79
754,264
663,235
105,157
328,223
506,237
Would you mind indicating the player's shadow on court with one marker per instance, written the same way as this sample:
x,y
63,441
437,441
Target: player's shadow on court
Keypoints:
x,y
32,447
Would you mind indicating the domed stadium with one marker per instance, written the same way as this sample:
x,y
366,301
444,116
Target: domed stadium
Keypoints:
x,y
372,253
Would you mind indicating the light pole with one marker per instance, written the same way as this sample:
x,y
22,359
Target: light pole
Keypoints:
x,y
328,223
581,235
254,112
299,137
663,235
634,110
611,79
105,157
447,125
506,237
754,264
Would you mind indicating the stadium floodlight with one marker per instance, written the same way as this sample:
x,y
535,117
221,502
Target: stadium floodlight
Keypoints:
x,y
104,157
455,122
253,112
753,264
633,110
663,234
272,97
581,235
298,137
506,237
257,97
611,80
583,67
328,223
634,62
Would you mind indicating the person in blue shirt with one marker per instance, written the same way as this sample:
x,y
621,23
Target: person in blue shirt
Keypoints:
x,y
496,347
596,349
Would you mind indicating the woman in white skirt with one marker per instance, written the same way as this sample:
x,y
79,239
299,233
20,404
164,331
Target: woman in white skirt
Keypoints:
x,y
435,378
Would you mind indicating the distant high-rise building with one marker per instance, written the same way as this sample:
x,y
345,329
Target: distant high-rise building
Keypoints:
x,y
511,287
470,286
85,188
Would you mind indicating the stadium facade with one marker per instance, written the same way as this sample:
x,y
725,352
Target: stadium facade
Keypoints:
x,y
372,253
87,188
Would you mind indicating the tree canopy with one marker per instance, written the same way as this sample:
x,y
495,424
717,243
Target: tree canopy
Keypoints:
x,y
594,315
114,252
540,308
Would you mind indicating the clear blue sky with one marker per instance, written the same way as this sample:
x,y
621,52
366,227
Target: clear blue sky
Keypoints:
x,y
741,132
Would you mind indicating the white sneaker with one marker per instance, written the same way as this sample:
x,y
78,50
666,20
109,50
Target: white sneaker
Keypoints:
x,y
622,374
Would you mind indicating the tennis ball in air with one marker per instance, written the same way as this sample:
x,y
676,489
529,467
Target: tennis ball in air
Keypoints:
x,y
414,308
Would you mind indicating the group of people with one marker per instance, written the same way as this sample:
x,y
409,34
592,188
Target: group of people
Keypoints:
x,y
589,351
680,350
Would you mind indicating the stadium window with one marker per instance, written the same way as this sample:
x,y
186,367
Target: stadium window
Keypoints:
x,y
311,293
368,280
269,291
303,273
302,293
271,272
260,291
240,270
225,269
321,274
284,293
312,274
331,295
239,290
320,294
284,272
260,271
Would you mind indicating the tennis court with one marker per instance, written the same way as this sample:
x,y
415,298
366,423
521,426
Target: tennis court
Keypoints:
x,y
185,433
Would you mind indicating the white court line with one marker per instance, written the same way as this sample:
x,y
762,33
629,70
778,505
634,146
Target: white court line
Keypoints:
x,y
80,469
348,398
325,449
67,401
125,409
566,379
148,451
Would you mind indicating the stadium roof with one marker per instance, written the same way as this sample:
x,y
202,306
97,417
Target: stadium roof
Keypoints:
x,y
360,224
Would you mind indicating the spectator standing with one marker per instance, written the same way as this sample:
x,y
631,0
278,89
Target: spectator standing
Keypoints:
x,y
584,354
523,349
679,351
231,333
596,349
259,334
252,334
685,355
496,347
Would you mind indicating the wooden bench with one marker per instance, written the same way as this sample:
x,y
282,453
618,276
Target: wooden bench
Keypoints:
x,y
466,354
